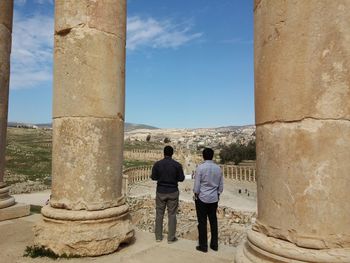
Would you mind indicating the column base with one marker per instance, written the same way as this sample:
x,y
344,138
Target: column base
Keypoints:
x,y
5,199
263,249
83,233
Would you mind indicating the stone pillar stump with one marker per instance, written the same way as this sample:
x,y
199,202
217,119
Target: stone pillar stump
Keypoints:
x,y
302,92
87,214
6,13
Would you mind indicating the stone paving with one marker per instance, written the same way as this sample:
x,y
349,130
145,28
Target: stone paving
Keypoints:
x,y
17,234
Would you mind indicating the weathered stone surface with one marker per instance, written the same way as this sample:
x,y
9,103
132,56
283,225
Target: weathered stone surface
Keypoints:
x,y
14,211
81,215
302,68
5,199
102,15
89,75
303,178
261,248
6,14
88,237
302,91
87,214
5,52
87,163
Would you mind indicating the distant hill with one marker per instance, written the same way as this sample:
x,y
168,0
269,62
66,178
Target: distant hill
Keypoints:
x,y
128,126
133,126
233,128
44,125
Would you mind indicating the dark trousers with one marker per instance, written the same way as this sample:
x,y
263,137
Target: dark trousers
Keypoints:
x,y
171,201
204,211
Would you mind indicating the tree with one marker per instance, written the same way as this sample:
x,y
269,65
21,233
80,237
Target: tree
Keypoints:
x,y
237,152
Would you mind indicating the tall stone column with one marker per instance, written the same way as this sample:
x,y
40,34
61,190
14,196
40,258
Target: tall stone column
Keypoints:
x,y
87,214
302,92
6,13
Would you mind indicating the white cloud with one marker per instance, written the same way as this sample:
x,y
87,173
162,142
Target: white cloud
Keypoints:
x,y
157,34
31,63
32,46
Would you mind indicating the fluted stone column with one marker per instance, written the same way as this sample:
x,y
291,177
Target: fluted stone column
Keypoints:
x,y
302,92
87,214
6,13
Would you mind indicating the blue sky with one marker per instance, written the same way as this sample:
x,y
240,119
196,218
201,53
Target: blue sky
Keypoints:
x,y
189,63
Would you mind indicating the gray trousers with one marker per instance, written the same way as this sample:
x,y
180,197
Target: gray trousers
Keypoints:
x,y
171,201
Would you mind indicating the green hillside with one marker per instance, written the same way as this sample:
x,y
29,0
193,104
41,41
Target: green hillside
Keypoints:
x,y
28,155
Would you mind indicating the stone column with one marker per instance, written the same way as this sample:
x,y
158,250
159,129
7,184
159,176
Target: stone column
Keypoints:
x,y
6,13
302,91
87,215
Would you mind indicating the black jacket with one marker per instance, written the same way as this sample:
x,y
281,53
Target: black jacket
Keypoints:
x,y
167,172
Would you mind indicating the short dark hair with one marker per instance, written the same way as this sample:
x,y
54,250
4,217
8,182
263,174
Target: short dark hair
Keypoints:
x,y
168,151
208,154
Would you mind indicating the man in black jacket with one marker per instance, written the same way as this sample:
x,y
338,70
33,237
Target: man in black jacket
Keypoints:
x,y
167,172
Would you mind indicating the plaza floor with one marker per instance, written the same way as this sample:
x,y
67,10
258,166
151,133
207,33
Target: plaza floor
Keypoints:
x,y
17,234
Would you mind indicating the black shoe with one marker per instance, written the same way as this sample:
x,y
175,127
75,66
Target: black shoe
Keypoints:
x,y
214,248
173,240
201,249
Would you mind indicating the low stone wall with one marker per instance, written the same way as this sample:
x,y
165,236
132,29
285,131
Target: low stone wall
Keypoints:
x,y
232,224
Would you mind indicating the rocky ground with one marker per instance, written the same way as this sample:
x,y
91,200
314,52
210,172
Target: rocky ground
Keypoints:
x,y
236,212
21,184
232,224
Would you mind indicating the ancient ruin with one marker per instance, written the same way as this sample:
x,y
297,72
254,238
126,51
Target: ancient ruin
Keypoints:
x,y
302,118
303,130
87,214
6,11
8,208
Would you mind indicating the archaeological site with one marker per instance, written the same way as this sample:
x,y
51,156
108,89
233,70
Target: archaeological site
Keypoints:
x,y
290,205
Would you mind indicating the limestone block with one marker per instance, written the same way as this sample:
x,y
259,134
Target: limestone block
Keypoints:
x,y
89,75
87,163
14,211
103,15
301,60
6,13
303,177
85,237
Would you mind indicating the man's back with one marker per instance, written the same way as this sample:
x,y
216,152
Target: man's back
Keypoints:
x,y
167,172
